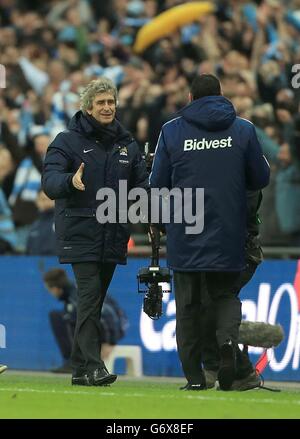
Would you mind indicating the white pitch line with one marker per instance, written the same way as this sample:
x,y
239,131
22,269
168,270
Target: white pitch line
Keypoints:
x,y
160,396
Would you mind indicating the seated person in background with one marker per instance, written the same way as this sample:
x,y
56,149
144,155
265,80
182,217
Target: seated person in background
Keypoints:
x,y
113,326
113,321
41,238
62,321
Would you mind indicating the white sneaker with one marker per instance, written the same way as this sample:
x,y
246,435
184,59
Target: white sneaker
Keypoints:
x,y
2,368
251,381
211,377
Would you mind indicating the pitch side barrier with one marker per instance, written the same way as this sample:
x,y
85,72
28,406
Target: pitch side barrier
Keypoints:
x,y
270,252
26,341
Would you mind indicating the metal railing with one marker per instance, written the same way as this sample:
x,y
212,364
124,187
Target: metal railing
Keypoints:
x,y
142,248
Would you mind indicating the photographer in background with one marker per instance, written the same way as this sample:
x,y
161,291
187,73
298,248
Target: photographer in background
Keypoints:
x,y
62,322
113,321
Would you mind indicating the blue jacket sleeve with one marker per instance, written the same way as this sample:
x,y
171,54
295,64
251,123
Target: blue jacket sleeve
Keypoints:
x,y
257,166
56,180
161,169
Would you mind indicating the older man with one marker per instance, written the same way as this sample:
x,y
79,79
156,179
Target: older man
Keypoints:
x,y
95,152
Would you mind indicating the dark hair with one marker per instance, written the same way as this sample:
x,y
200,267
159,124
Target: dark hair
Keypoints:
x,y
297,123
57,277
290,106
205,85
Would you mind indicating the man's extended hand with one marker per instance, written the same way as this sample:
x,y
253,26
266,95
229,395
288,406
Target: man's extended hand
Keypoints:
x,y
76,180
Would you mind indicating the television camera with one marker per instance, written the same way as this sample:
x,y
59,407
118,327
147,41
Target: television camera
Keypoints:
x,y
156,280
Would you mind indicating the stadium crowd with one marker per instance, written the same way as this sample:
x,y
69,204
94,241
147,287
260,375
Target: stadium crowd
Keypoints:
x,y
51,49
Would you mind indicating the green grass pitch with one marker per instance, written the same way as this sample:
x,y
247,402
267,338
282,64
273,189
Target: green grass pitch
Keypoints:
x,y
26,396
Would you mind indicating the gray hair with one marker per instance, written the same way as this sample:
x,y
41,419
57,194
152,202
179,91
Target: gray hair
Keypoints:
x,y
95,87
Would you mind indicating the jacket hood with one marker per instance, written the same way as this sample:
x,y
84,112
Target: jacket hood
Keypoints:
x,y
90,127
213,113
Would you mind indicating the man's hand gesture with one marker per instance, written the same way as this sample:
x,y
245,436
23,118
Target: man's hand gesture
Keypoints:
x,y
76,180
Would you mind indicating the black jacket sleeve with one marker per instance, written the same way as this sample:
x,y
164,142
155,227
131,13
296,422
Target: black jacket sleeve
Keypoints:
x,y
56,176
139,175
161,170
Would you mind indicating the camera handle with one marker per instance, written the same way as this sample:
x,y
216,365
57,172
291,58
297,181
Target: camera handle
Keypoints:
x,y
154,234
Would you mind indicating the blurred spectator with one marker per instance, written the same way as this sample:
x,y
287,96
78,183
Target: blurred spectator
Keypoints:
x,y
8,238
113,321
27,184
51,49
65,102
295,141
41,236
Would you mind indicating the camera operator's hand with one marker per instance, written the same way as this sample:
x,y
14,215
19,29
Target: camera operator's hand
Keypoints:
x,y
76,179
151,233
156,228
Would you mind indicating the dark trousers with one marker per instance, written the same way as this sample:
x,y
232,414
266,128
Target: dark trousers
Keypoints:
x,y
63,330
210,352
193,292
93,279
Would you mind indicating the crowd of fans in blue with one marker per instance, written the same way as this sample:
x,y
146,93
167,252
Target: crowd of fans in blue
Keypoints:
x,y
52,49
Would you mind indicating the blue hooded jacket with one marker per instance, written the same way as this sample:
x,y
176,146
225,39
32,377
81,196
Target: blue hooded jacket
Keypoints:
x,y
207,146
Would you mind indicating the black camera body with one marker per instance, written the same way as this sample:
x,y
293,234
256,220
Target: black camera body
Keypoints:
x,y
154,274
154,278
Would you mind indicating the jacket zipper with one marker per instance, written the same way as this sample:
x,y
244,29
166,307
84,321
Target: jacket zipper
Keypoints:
x,y
103,226
113,152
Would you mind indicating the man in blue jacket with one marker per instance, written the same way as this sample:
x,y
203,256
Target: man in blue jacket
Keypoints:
x,y
95,152
207,146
